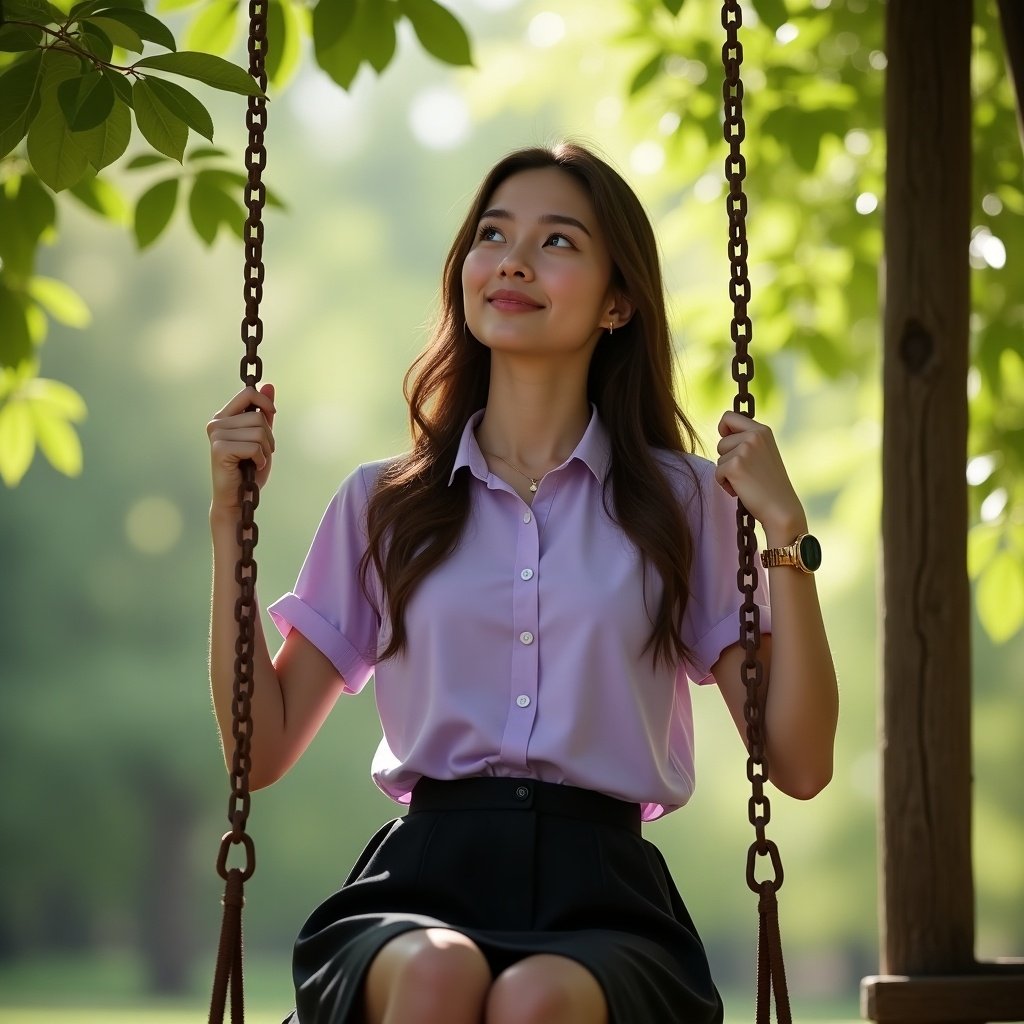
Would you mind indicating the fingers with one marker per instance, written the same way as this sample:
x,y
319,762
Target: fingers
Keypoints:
x,y
240,431
733,422
263,399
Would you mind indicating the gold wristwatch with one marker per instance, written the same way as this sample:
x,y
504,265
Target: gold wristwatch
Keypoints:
x,y
804,553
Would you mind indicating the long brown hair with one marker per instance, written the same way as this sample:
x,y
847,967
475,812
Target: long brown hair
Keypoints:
x,y
415,519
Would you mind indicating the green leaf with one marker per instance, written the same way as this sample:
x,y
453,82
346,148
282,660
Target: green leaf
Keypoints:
x,y
17,441
144,25
60,301
215,29
341,60
27,212
86,7
138,163
440,33
120,35
97,42
672,6
162,128
36,209
184,105
57,439
37,11
376,31
20,93
284,42
235,182
206,68
205,152
57,155
646,74
107,141
120,84
63,400
771,12
331,20
15,340
15,38
154,211
209,207
86,101
1000,596
100,196
117,32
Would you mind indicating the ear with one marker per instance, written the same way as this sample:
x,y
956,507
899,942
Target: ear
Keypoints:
x,y
619,311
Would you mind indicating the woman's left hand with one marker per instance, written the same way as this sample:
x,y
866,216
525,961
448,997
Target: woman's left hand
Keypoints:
x,y
751,468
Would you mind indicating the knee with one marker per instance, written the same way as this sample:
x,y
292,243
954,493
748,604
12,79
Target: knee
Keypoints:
x,y
442,965
545,994
428,975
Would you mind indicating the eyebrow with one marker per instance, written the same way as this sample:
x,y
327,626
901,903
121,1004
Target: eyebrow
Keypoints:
x,y
547,218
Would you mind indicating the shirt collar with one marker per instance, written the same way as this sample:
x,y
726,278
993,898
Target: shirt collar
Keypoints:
x,y
594,449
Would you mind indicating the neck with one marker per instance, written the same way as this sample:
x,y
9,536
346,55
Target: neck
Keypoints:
x,y
535,427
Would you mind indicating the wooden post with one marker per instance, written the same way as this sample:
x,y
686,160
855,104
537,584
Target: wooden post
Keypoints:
x,y
928,913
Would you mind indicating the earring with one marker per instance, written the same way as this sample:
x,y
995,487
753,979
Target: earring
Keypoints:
x,y
611,327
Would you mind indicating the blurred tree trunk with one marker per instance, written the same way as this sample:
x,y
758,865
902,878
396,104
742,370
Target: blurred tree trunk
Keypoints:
x,y
165,906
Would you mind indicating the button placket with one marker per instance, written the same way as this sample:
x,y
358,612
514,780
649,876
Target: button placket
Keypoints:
x,y
524,630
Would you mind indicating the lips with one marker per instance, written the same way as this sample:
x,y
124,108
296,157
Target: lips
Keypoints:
x,y
504,299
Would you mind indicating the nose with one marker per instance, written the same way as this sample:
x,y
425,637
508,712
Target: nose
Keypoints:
x,y
515,265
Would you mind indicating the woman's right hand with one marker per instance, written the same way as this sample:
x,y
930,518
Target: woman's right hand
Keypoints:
x,y
235,435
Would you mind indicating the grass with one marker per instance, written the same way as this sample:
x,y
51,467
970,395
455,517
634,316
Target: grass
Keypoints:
x,y
111,990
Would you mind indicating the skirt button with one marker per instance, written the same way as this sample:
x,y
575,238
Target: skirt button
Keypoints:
x,y
522,792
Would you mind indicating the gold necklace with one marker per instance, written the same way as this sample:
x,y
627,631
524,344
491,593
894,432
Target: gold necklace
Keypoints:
x,y
533,480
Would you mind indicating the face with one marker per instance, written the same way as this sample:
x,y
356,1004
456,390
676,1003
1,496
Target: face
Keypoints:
x,y
538,277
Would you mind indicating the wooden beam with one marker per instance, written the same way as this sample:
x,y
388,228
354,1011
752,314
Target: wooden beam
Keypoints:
x,y
927,915
996,995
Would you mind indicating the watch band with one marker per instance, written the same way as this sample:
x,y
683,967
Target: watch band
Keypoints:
x,y
804,554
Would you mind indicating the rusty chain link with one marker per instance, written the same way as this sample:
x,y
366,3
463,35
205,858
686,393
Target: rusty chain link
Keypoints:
x,y
770,968
229,957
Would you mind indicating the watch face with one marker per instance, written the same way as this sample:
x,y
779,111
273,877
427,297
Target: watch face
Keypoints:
x,y
810,552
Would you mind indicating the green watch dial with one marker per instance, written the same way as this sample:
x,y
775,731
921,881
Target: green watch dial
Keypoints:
x,y
810,552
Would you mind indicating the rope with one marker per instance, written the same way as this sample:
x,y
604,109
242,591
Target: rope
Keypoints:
x,y
229,952
771,972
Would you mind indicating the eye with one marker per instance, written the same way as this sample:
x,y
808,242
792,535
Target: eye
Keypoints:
x,y
489,233
563,239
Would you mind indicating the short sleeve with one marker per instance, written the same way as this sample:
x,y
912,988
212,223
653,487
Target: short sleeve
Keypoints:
x,y
711,622
328,605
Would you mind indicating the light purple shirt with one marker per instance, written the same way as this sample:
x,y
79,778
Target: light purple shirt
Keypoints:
x,y
524,654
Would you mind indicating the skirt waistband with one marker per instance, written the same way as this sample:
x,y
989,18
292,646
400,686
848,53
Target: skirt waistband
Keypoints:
x,y
490,793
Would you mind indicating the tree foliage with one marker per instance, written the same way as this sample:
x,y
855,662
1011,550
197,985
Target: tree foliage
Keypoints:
x,y
76,80
816,147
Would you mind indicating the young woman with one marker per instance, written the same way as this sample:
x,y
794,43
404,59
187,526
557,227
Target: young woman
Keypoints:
x,y
532,587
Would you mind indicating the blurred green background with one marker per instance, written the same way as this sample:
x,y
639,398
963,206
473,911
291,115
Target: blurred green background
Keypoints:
x,y
114,793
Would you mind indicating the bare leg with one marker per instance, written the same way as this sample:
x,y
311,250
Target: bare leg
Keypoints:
x,y
427,976
546,989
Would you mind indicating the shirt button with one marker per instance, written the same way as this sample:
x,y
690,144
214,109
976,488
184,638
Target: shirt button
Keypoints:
x,y
523,701
526,637
526,574
527,517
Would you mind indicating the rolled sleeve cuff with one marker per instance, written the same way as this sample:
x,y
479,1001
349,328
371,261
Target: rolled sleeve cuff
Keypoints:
x,y
291,612
724,634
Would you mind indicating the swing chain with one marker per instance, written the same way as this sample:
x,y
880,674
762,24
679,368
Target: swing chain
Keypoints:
x,y
771,975
734,129
229,956
250,372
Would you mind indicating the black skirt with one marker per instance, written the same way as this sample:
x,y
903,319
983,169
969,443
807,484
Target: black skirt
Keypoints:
x,y
520,867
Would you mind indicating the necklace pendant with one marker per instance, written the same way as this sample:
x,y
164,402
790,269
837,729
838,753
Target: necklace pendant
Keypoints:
x,y
533,486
